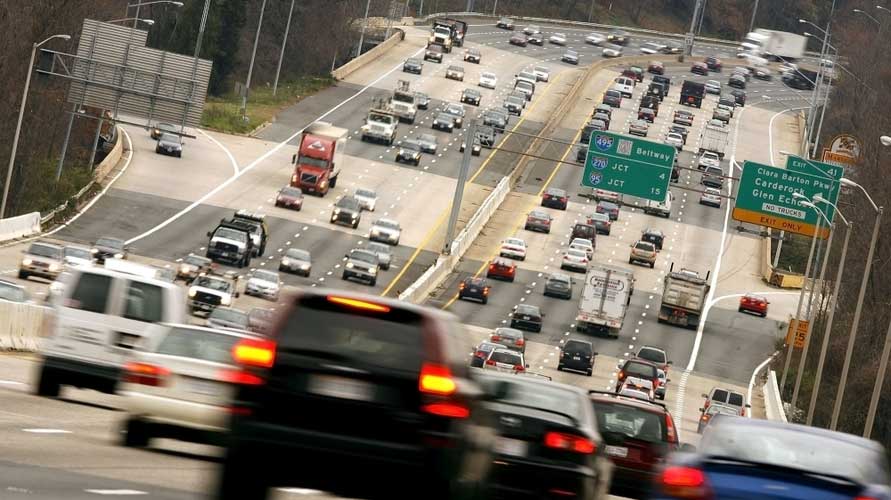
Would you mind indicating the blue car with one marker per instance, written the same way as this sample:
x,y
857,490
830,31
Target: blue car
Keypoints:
x,y
747,458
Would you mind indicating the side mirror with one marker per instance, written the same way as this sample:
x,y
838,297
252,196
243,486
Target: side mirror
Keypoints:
x,y
748,405
294,158
595,353
346,255
209,234
527,365
667,380
704,395
702,409
237,294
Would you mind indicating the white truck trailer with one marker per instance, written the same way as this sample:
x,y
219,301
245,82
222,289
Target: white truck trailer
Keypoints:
x,y
604,301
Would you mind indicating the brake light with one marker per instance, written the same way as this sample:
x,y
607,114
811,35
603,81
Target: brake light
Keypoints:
x,y
145,374
436,379
684,482
240,377
563,198
520,342
621,375
519,368
490,362
495,338
461,286
358,304
447,409
481,354
486,291
254,352
569,442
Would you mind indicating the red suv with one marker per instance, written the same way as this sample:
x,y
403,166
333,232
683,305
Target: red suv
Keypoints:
x,y
638,368
637,435
501,268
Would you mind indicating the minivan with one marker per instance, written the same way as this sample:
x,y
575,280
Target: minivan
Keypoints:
x,y
584,231
101,314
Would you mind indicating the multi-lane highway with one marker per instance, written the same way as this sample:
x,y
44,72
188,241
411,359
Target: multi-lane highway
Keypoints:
x,y
164,206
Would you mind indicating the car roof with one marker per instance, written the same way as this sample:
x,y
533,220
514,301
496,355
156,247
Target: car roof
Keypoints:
x,y
609,397
501,261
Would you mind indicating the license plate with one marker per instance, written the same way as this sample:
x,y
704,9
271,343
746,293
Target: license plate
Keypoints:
x,y
203,387
617,451
577,358
224,254
340,387
511,447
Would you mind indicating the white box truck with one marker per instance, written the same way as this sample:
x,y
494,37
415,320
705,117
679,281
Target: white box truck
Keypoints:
x,y
714,139
776,45
604,301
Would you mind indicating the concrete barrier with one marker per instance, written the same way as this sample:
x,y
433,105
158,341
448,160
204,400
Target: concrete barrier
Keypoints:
x,y
773,403
20,226
348,68
22,325
111,159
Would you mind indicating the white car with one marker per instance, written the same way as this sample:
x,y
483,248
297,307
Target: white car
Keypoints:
x,y
595,39
711,197
488,80
386,231
675,139
182,381
708,159
207,292
624,85
713,87
652,48
714,122
557,39
542,73
502,359
513,248
73,256
532,30
611,50
367,199
575,259
264,284
583,244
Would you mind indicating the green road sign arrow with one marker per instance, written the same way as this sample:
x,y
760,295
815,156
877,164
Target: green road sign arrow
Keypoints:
x,y
628,165
818,168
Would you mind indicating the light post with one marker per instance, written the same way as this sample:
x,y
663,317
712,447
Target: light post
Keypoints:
x,y
858,11
18,126
794,324
754,13
134,19
840,393
365,25
281,54
153,2
833,301
883,361
247,83
810,317
819,83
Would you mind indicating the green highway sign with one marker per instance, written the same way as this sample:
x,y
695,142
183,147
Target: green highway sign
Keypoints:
x,y
628,165
799,164
765,198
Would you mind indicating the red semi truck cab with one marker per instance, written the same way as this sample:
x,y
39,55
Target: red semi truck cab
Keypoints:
x,y
318,160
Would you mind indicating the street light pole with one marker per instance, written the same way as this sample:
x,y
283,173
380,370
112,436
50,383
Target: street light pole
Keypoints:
x,y
840,393
365,24
810,317
459,188
247,84
832,304
18,126
754,13
281,54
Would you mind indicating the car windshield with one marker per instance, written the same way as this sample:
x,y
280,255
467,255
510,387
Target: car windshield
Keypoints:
x,y
630,421
266,276
553,398
723,410
231,234
508,333
536,214
291,191
296,253
366,193
412,145
110,243
12,293
508,357
647,247
428,138
212,283
389,224
559,193
422,97
471,93
559,278
578,347
454,109
228,315
650,354
796,447
605,205
633,369
169,138
77,253
413,62
613,93
456,68
364,256
541,69
514,100
348,203
524,309
200,344
515,242
41,250
576,252
488,75
378,247
571,53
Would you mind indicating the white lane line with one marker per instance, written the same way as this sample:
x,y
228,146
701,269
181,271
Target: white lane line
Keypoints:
x,y
117,492
46,431
225,150
11,382
770,130
260,159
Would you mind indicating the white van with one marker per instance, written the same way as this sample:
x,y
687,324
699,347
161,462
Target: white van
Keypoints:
x,y
100,315
662,208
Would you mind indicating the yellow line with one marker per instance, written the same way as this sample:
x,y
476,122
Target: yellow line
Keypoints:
x,y
436,227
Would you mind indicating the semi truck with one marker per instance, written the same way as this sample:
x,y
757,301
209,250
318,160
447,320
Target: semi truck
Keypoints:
x,y
692,93
380,123
714,139
683,297
775,45
604,301
318,159
402,104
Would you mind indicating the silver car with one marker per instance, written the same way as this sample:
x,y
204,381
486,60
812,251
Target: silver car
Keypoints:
x,y
558,285
386,231
367,199
362,265
383,253
264,284
639,127
296,261
41,259
73,256
228,318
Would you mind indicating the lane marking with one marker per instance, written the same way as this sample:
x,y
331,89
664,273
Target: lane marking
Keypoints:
x,y
46,431
224,148
117,492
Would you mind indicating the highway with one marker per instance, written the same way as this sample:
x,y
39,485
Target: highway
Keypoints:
x,y
163,206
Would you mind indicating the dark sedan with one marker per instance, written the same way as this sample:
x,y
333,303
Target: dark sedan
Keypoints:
x,y
471,96
475,289
422,101
289,197
409,152
109,248
413,65
519,39
558,285
555,198
170,145
495,119
527,317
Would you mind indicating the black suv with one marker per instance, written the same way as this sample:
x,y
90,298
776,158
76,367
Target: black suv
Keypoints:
x,y
348,211
577,355
474,288
383,392
638,450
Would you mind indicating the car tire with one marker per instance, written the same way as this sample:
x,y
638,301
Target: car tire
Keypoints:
x,y
136,433
652,265
485,300
23,275
590,372
560,367
355,224
740,309
372,282
48,386
764,314
240,478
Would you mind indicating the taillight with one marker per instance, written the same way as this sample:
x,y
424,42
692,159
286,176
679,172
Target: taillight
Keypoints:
x,y
621,375
670,431
447,409
495,338
145,374
490,362
436,379
486,291
461,286
520,342
481,354
563,199
684,482
240,377
519,368
569,442
254,352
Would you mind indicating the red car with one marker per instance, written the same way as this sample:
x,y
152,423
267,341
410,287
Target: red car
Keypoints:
x,y
753,303
501,268
638,368
656,68
699,68
289,197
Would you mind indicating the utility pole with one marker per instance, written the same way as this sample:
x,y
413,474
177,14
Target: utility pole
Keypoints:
x,y
459,188
754,14
281,54
590,13
247,84
793,325
688,42
365,25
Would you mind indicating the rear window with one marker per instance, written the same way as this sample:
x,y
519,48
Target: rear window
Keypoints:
x,y
629,421
392,339
652,355
506,357
639,369
52,252
545,396
719,395
90,293
736,399
198,344
144,302
576,347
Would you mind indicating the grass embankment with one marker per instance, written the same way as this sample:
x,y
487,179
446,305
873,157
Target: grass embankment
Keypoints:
x,y
223,113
